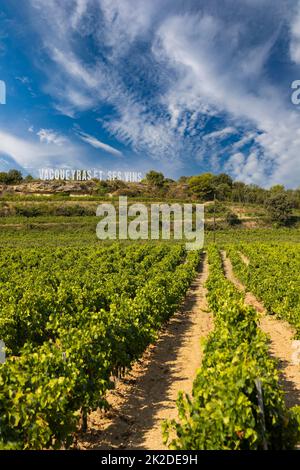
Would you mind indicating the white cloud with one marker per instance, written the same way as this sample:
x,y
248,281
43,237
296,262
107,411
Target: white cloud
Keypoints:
x,y
125,20
51,137
209,63
210,75
80,9
246,139
223,133
70,64
248,168
96,143
32,155
24,80
295,36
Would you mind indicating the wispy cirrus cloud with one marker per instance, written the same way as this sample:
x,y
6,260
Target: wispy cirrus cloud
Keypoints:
x,y
49,136
295,34
182,83
96,143
221,134
32,155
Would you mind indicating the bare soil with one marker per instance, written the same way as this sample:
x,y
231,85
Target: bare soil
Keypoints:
x,y
281,336
244,258
147,395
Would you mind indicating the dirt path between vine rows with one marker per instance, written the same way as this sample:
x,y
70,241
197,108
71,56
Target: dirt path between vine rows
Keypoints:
x,y
147,395
281,336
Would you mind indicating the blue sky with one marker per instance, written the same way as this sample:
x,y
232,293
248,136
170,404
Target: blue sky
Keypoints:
x,y
178,86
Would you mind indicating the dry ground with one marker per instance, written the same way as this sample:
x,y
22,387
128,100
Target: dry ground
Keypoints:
x,y
281,336
147,395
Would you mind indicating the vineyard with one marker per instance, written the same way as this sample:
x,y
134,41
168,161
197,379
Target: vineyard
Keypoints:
x,y
225,411
77,316
149,232
70,320
272,273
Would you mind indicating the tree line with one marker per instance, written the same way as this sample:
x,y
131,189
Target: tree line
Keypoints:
x,y
278,200
208,186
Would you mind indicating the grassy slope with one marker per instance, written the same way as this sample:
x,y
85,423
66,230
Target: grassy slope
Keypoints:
x,y
69,230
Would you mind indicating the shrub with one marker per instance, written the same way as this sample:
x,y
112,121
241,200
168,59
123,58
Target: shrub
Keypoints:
x,y
279,208
232,219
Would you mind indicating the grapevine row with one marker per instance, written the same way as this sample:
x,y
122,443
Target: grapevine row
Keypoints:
x,y
47,387
226,410
273,276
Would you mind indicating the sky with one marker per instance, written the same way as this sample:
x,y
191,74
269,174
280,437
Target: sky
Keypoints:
x,y
179,86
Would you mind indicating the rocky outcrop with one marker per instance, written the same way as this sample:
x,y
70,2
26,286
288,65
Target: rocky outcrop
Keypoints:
x,y
50,187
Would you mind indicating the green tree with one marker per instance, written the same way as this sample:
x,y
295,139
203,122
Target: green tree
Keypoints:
x,y
3,177
29,178
14,177
183,179
223,191
279,208
277,188
154,178
223,178
202,186
294,197
238,191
